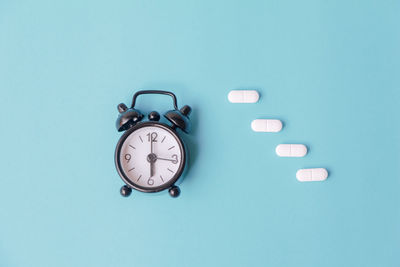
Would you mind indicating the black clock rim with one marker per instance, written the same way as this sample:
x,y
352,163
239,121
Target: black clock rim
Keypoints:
x,y
130,183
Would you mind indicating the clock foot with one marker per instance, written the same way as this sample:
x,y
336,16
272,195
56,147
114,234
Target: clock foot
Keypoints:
x,y
174,191
125,191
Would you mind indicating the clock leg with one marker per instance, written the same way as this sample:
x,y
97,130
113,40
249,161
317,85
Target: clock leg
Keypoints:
x,y
174,191
125,191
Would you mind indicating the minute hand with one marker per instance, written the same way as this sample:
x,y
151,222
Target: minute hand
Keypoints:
x,y
151,162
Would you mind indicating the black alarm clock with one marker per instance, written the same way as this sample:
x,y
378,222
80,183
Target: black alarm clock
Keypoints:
x,y
151,156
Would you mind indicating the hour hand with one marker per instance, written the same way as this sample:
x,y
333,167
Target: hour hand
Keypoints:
x,y
151,158
151,169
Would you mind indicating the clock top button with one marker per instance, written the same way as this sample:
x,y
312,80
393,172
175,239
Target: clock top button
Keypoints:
x,y
154,116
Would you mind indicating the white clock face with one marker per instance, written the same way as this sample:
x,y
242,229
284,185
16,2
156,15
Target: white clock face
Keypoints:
x,y
151,156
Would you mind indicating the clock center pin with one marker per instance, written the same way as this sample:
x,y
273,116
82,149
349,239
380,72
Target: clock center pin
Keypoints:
x,y
151,158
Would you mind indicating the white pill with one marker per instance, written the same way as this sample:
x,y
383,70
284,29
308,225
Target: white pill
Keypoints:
x,y
243,96
263,125
308,175
291,150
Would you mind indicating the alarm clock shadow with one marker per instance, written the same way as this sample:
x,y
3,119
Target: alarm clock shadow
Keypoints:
x,y
190,141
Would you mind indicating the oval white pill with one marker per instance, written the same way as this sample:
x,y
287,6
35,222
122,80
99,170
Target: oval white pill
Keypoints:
x,y
263,125
308,175
291,150
243,96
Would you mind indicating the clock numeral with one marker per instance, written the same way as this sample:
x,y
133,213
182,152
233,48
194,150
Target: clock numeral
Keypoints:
x,y
127,157
175,159
153,136
150,181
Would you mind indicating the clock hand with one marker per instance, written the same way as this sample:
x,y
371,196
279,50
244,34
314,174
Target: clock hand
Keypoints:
x,y
165,159
151,161
151,145
172,160
152,169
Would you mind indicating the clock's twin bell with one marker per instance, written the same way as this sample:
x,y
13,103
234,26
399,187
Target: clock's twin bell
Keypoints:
x,y
128,117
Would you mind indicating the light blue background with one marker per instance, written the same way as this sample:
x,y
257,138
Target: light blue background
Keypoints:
x,y
328,69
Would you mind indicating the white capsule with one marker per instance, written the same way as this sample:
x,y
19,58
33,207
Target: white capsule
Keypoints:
x,y
308,175
243,96
291,150
263,125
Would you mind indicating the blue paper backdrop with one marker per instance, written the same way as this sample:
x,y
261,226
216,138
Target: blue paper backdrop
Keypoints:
x,y
328,69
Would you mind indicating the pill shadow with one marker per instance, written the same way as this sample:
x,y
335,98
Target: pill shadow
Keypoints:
x,y
283,123
329,170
